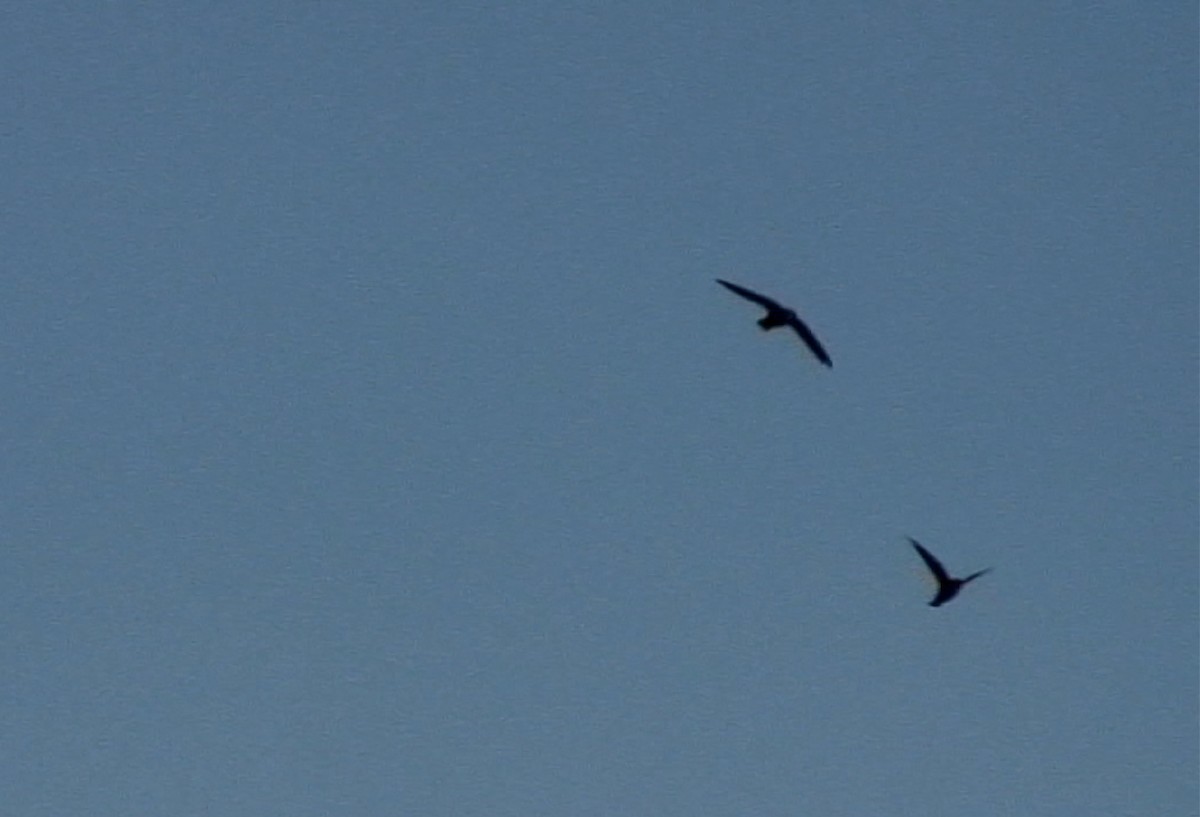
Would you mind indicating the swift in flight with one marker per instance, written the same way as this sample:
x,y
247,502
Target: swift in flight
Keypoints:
x,y
779,315
948,586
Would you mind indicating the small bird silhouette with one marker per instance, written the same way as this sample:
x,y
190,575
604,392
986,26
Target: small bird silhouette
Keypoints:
x,y
948,586
779,315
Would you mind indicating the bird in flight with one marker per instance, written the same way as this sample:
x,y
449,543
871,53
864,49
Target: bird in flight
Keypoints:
x,y
948,586
779,315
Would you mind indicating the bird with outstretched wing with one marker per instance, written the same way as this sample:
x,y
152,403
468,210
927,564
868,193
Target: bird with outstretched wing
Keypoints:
x,y
779,315
948,586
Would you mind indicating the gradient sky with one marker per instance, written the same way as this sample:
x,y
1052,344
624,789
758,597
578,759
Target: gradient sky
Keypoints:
x,y
377,442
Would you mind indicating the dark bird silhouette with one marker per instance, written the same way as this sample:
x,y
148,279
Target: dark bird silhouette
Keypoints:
x,y
948,586
779,315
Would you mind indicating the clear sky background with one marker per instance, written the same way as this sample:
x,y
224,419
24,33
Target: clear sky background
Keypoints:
x,y
375,439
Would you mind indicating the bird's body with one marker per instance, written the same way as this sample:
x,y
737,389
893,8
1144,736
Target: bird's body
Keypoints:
x,y
779,315
948,586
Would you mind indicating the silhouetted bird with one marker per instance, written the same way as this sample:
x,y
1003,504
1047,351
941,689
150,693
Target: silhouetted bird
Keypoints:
x,y
779,315
948,586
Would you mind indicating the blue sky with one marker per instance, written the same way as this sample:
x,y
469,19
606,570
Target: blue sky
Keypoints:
x,y
377,441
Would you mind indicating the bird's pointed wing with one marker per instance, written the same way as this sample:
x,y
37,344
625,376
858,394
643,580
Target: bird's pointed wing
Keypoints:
x,y
810,340
750,295
977,574
935,567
